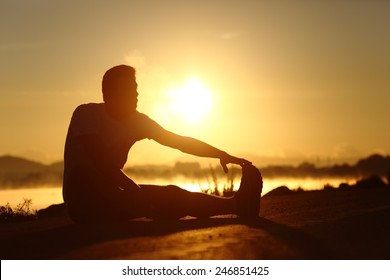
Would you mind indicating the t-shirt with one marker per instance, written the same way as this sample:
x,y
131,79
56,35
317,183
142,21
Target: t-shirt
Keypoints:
x,y
116,137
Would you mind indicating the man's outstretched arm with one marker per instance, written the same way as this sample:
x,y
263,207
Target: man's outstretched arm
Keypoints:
x,y
196,147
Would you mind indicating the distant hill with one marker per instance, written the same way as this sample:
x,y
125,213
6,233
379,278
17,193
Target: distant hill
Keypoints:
x,y
17,171
16,164
57,166
374,164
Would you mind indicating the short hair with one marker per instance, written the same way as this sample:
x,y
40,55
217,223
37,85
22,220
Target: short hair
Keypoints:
x,y
114,77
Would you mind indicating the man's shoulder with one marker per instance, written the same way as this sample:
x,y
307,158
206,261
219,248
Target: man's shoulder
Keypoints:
x,y
146,122
86,114
90,106
142,117
88,109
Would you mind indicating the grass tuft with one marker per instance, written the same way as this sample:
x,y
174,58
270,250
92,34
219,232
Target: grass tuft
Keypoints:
x,y
216,187
22,212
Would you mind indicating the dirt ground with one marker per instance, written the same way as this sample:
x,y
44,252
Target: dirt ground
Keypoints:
x,y
332,224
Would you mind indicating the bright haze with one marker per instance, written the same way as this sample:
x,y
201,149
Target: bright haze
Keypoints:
x,y
261,79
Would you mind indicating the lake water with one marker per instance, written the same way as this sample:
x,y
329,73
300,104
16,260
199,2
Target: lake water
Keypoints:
x,y
44,196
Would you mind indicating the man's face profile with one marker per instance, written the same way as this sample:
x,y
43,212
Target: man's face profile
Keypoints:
x,y
123,98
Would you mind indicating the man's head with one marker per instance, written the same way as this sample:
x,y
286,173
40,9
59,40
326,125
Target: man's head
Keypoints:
x,y
119,89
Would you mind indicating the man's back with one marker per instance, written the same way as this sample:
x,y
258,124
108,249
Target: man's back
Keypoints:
x,y
110,137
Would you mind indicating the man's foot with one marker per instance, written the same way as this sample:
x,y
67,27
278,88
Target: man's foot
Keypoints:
x,y
248,196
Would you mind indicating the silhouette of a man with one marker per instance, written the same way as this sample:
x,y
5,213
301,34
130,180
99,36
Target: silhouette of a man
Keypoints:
x,y
98,141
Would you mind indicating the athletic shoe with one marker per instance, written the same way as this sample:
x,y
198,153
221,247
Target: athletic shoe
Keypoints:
x,y
248,196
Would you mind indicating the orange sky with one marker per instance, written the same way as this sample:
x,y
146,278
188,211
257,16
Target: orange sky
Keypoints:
x,y
302,79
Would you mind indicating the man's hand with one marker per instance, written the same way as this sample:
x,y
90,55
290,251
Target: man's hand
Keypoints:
x,y
226,159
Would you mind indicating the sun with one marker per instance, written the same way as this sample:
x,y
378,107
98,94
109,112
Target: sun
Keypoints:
x,y
191,102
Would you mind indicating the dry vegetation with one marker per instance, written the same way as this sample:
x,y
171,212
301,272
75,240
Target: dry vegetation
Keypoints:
x,y
22,212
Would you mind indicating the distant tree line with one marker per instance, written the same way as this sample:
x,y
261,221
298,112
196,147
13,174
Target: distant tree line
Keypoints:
x,y
373,165
18,172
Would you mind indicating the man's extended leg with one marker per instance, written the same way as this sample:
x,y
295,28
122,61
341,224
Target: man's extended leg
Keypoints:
x,y
172,202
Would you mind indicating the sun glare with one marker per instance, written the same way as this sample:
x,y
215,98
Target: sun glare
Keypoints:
x,y
191,102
